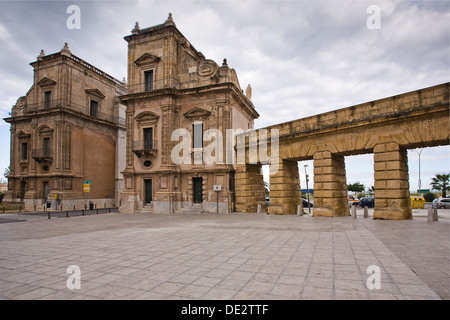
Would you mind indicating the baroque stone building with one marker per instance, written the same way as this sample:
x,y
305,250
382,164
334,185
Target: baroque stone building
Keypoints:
x,y
68,128
178,97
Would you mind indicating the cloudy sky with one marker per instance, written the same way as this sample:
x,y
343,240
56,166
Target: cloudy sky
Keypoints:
x,y
300,57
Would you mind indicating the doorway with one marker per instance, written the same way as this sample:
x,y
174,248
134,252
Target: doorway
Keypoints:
x,y
148,191
198,189
22,190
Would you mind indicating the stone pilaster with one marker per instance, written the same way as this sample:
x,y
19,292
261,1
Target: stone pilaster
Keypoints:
x,y
285,193
391,182
330,187
250,188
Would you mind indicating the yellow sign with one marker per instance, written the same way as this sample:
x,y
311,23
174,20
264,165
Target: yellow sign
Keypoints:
x,y
56,196
86,187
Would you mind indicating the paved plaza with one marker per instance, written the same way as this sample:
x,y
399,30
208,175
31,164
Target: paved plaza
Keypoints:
x,y
223,256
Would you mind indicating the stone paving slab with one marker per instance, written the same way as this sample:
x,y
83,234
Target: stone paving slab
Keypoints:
x,y
222,256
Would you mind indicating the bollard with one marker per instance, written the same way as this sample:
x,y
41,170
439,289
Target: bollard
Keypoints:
x,y
48,214
259,210
435,214
299,210
430,215
366,212
353,211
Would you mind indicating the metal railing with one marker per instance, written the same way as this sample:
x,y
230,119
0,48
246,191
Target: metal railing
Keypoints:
x,y
85,110
42,153
144,145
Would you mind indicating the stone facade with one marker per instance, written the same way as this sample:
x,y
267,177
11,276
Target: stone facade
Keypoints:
x,y
385,127
173,88
68,128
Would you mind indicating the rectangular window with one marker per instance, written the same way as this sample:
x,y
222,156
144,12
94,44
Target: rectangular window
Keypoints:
x,y
24,151
148,80
198,135
47,99
93,108
46,147
148,138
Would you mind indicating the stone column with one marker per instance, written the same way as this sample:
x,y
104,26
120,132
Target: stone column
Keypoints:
x,y
391,182
249,188
330,187
285,193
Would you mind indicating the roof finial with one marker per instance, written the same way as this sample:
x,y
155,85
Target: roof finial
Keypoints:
x,y
136,28
169,21
41,55
65,50
248,92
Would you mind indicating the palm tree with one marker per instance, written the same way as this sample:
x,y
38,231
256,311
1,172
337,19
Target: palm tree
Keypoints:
x,y
441,182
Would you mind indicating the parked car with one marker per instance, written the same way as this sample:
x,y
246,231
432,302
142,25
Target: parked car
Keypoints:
x,y
352,201
434,203
367,201
305,203
443,203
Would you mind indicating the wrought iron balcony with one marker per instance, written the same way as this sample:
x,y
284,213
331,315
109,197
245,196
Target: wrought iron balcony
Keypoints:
x,y
154,86
42,155
144,147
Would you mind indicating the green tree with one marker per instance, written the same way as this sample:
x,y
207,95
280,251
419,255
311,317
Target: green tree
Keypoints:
x,y
441,183
429,197
356,187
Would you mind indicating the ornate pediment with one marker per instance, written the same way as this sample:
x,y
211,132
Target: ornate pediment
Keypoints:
x,y
23,135
96,93
46,82
146,58
44,129
197,113
146,117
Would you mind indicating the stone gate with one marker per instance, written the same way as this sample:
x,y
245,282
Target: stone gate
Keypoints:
x,y
385,127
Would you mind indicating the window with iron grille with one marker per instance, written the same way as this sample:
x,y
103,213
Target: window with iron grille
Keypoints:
x,y
46,147
47,99
24,151
94,108
148,80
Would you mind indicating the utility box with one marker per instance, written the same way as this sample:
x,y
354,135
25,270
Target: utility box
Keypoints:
x,y
417,202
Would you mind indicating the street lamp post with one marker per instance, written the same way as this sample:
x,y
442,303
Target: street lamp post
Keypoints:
x,y
420,181
307,189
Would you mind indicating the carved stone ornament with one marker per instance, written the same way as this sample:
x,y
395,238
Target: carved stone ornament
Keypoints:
x,y
207,68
